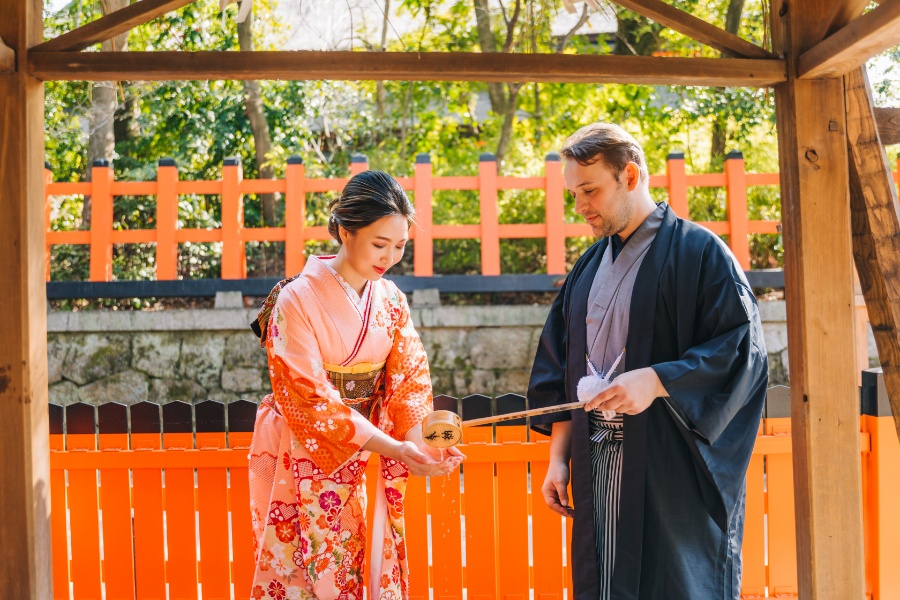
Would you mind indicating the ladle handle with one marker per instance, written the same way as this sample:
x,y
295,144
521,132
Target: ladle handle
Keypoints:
x,y
524,413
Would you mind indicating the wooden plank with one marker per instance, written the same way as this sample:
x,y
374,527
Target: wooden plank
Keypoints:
x,y
108,27
825,440
405,66
233,251
888,124
736,189
753,552
876,230
693,27
555,215
446,535
546,537
7,58
415,510
181,530
294,217
25,555
512,519
149,535
487,202
423,259
101,221
166,221
854,44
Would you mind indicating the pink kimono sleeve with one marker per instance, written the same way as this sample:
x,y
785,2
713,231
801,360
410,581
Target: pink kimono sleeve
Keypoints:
x,y
408,388
329,430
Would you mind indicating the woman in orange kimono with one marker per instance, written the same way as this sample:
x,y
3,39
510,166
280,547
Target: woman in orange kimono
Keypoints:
x,y
349,377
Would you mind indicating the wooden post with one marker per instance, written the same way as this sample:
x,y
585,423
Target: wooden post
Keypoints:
x,y
101,220
819,293
555,215
294,217
736,187
490,227
876,230
25,554
358,164
166,219
423,261
678,198
233,264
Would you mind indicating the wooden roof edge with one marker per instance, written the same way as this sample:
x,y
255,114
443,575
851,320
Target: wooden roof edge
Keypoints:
x,y
696,28
405,66
111,25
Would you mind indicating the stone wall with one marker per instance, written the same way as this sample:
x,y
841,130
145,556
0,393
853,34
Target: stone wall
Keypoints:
x,y
192,355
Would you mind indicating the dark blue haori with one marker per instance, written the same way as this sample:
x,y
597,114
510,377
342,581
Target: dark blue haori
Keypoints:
x,y
694,319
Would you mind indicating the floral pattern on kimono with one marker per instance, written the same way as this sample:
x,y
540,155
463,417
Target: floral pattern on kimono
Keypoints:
x,y
307,466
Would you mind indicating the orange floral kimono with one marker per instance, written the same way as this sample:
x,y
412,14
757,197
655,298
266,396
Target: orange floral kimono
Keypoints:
x,y
307,466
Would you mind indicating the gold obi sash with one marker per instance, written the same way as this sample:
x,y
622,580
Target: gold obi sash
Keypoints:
x,y
359,385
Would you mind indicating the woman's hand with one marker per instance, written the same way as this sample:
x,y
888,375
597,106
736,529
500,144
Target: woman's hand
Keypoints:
x,y
449,459
420,464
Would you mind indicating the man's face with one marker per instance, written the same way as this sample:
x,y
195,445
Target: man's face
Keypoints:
x,y
604,201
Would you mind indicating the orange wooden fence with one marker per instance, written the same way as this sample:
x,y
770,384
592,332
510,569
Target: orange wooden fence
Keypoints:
x,y
166,507
295,186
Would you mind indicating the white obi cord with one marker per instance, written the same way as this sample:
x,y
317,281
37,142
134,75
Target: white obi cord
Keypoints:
x,y
590,386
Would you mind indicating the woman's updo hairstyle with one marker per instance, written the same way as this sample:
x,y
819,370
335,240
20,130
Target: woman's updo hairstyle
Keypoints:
x,y
368,197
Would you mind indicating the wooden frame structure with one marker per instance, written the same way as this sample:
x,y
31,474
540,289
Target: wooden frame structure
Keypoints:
x,y
839,205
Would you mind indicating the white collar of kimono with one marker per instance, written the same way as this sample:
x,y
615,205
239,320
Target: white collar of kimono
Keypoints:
x,y
359,300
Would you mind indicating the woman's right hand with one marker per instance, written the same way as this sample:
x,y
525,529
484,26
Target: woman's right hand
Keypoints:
x,y
421,465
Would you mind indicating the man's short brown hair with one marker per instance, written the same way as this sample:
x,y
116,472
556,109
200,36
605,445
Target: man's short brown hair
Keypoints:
x,y
609,143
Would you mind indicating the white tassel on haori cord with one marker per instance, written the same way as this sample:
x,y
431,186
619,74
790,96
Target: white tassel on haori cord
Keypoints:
x,y
590,386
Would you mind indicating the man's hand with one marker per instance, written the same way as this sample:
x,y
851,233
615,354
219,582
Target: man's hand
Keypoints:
x,y
630,393
554,489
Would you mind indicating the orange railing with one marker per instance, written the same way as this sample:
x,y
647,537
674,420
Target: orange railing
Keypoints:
x,y
295,186
171,507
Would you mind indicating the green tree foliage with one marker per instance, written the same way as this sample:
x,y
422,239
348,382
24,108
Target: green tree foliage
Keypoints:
x,y
200,123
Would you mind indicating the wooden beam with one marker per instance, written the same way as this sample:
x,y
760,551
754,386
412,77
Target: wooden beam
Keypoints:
x,y
819,295
404,66
25,565
846,11
693,27
7,58
853,44
887,121
876,229
108,27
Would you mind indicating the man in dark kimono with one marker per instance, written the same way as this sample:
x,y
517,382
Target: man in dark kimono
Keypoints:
x,y
659,458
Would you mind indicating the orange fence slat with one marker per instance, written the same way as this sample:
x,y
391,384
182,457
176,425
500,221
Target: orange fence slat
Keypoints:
x,y
883,488
199,188
546,537
423,261
212,506
243,565
101,223
446,550
481,518
737,209
512,517
264,234
415,511
48,207
780,511
166,221
717,227
520,183
770,227
523,230
181,513
69,188
762,179
677,184
706,180
149,539
567,548
262,186
133,188
294,216
335,184
577,230
198,235
68,237
115,506
455,183
456,232
84,523
59,523
233,264
753,581
555,217
132,236
487,202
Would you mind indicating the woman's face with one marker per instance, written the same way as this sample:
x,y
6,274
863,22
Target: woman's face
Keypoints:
x,y
372,250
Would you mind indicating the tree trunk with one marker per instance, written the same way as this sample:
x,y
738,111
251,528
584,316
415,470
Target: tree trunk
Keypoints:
x,y
379,85
102,137
488,43
509,119
720,125
262,139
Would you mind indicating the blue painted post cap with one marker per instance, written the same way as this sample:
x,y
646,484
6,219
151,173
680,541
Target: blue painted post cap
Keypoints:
x,y
358,158
487,157
423,159
232,161
47,165
100,162
553,157
167,162
295,160
734,154
675,156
